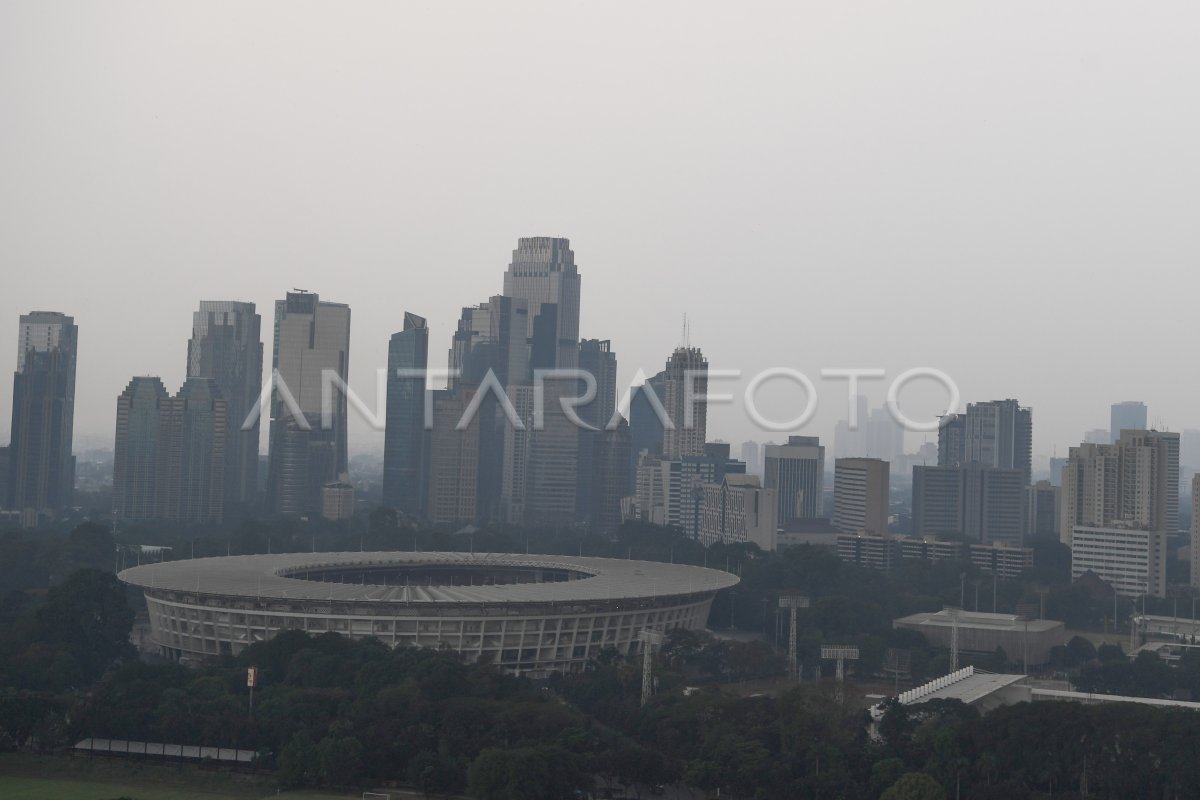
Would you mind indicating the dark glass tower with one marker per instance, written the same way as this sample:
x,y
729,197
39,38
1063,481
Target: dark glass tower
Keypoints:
x,y
226,346
406,444
41,466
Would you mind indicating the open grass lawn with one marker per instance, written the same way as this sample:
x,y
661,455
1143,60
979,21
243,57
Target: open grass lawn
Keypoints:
x,y
25,777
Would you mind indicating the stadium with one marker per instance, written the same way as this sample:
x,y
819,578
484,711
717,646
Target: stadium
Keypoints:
x,y
529,614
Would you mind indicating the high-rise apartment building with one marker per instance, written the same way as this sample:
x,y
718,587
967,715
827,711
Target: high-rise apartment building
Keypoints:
x,y
860,495
41,472
312,347
406,443
169,455
543,272
752,457
226,346
999,433
1134,483
796,472
1129,415
685,387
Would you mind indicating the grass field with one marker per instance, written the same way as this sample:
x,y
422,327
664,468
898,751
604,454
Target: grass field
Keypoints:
x,y
24,777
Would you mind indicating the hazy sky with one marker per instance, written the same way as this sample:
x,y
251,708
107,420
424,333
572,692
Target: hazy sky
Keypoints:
x,y
1005,191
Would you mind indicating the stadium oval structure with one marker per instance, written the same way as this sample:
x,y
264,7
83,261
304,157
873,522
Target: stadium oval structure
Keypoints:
x,y
526,613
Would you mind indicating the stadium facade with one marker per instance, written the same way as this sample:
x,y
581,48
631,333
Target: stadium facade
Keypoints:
x,y
528,614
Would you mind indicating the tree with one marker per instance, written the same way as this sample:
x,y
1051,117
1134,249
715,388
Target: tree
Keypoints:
x,y
340,759
915,786
298,761
524,773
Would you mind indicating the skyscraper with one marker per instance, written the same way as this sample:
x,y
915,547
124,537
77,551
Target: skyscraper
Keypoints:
x,y
453,460
685,387
169,455
860,495
406,443
543,272
312,346
41,467
646,429
137,449
226,345
796,471
598,360
1129,415
952,440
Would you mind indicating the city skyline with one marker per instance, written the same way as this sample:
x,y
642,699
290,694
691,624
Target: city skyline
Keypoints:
x,y
388,213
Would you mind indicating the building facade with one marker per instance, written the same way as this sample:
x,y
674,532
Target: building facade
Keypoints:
x,y
406,442
739,509
41,468
861,495
1131,560
308,445
226,346
796,472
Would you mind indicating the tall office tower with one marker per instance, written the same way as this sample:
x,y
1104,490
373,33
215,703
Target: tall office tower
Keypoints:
x,y
1042,509
226,345
312,346
980,503
491,336
646,429
853,443
671,491
1134,482
453,460
169,455
553,464
1097,436
406,443
1129,415
751,455
860,495
597,359
610,477
686,387
1195,539
41,467
885,436
999,433
543,272
196,433
796,471
952,440
138,448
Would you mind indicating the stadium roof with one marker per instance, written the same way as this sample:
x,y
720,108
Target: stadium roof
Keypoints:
x,y
979,619
267,576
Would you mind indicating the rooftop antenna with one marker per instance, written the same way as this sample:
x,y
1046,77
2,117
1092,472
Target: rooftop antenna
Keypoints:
x,y
685,339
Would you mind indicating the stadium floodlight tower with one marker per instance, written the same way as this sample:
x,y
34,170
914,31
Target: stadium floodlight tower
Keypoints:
x,y
649,639
791,603
841,653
